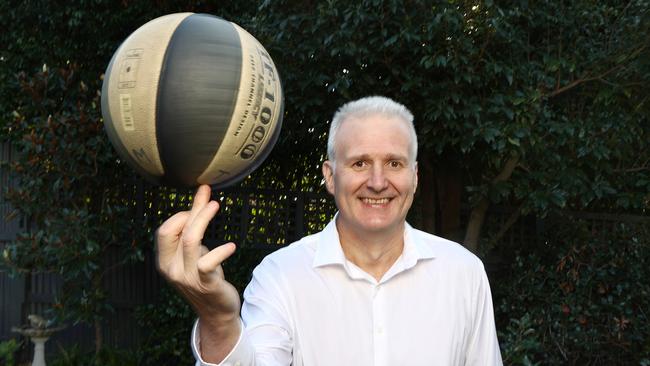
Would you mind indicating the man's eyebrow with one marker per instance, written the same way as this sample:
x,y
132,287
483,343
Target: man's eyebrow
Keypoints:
x,y
390,156
396,157
358,157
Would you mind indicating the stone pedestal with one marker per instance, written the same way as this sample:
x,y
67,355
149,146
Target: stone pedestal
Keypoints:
x,y
39,350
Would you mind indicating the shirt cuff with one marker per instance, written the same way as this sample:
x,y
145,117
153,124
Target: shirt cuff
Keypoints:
x,y
243,354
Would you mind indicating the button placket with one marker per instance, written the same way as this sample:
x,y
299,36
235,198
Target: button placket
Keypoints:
x,y
379,326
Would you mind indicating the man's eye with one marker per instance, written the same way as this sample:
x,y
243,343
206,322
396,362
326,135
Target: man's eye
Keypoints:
x,y
359,164
395,164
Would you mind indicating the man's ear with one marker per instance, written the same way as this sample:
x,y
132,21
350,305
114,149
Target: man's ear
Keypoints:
x,y
328,175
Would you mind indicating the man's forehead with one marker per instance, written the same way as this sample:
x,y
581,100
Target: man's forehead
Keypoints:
x,y
374,151
362,136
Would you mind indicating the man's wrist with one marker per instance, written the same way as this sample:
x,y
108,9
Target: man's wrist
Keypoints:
x,y
219,318
222,325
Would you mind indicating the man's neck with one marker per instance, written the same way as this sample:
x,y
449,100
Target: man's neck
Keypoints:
x,y
375,253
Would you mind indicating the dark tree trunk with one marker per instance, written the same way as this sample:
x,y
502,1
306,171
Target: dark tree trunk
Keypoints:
x,y
449,187
477,216
441,195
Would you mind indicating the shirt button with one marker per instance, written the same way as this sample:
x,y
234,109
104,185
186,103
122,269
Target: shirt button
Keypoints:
x,y
380,330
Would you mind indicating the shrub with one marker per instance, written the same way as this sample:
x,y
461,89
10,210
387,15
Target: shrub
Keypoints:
x,y
580,298
168,323
107,356
8,351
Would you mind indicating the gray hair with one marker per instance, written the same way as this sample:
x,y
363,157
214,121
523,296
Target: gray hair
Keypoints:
x,y
369,106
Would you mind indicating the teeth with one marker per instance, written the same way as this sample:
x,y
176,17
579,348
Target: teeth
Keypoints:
x,y
372,201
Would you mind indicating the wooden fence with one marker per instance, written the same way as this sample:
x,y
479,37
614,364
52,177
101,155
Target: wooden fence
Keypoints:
x,y
11,289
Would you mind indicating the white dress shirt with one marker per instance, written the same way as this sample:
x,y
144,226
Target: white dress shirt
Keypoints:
x,y
308,305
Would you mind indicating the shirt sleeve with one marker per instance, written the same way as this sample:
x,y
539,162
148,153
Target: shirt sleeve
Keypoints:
x,y
242,353
266,337
483,347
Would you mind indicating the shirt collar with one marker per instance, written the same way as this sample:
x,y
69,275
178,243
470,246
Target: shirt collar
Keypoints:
x,y
329,249
415,248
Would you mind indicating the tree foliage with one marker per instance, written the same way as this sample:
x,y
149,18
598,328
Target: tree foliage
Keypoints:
x,y
76,206
539,106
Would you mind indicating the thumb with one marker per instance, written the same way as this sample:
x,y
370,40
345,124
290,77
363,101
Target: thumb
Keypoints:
x,y
204,250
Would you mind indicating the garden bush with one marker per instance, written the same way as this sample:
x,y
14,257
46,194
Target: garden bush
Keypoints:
x,y
167,325
579,297
8,350
107,356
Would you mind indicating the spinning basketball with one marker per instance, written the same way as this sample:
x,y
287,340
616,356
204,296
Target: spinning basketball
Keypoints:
x,y
192,99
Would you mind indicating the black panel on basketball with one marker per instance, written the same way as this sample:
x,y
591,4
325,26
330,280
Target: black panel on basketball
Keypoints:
x,y
198,87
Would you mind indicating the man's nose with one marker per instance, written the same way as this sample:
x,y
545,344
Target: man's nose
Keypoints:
x,y
377,180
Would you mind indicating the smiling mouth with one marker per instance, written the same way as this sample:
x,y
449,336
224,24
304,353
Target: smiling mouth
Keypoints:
x,y
375,201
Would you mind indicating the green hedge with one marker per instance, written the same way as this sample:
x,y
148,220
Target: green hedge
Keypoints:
x,y
580,297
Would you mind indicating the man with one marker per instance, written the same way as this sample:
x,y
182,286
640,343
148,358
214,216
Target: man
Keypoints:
x,y
367,290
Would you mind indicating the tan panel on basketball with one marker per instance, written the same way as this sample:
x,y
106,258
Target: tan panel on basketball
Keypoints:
x,y
256,113
137,65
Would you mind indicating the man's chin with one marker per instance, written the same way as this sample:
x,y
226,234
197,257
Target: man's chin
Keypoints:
x,y
377,226
371,224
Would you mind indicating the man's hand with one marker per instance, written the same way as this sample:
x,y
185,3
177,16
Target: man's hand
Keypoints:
x,y
196,272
